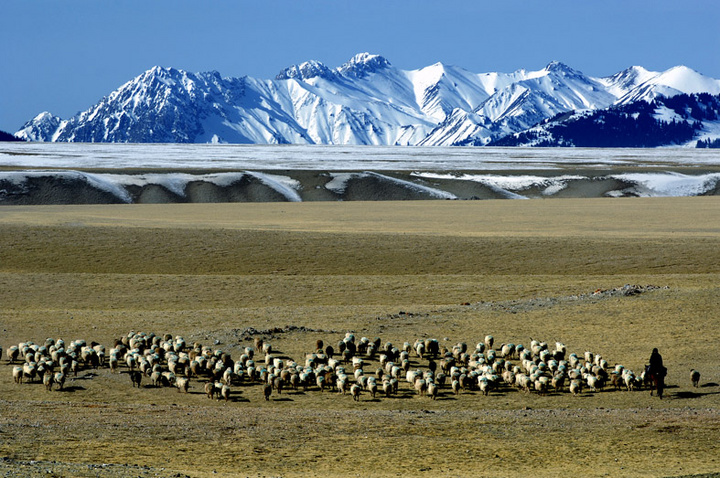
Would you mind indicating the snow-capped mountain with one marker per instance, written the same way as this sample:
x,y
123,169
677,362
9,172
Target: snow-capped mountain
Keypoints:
x,y
683,119
364,101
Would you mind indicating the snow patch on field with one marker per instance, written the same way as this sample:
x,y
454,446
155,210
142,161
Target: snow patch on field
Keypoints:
x,y
670,184
550,185
339,182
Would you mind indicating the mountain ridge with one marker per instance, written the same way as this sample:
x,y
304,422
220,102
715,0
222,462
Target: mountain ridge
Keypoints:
x,y
366,100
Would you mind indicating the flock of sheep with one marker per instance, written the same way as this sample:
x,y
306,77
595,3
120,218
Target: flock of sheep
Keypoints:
x,y
353,366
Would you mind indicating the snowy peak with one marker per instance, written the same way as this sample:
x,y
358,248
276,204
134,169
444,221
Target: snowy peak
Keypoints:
x,y
305,71
40,128
674,81
559,68
622,82
363,64
687,80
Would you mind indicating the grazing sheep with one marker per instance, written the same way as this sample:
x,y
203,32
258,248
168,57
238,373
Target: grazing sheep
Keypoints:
x,y
489,340
420,386
48,381
30,370
342,385
432,390
575,386
182,384
136,378
114,363
224,392
59,379
387,387
484,385
695,377
355,392
372,387
456,387
593,382
18,374
507,350
558,381
629,379
168,379
267,391
420,349
210,390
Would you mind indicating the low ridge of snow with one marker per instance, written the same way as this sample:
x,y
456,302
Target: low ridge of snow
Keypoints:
x,y
338,184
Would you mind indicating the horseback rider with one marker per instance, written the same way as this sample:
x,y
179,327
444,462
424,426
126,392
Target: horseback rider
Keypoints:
x,y
656,366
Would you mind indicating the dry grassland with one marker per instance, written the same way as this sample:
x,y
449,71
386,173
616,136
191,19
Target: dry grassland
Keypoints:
x,y
398,271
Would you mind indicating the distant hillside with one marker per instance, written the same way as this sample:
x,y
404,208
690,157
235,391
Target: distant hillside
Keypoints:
x,y
641,124
8,137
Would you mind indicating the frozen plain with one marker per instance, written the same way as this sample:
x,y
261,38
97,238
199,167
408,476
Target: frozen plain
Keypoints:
x,y
507,172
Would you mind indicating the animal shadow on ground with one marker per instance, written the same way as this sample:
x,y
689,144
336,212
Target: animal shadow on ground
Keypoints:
x,y
446,397
709,384
72,389
239,399
283,399
690,394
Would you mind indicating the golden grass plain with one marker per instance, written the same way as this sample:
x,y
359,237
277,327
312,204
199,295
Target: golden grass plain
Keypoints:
x,y
207,272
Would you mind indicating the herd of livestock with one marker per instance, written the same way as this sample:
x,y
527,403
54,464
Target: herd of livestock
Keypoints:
x,y
352,366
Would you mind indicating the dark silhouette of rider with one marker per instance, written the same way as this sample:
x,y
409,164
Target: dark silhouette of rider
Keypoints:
x,y
656,366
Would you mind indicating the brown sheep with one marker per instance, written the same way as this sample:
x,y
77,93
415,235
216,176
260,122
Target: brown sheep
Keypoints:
x,y
267,391
136,378
210,390
695,377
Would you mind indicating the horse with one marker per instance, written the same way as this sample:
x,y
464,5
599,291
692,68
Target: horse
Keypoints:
x,y
655,380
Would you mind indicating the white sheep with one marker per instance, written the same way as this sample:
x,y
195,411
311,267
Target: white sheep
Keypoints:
x,y
182,384
489,340
59,379
484,385
342,385
420,386
224,392
17,374
575,386
432,390
387,387
48,381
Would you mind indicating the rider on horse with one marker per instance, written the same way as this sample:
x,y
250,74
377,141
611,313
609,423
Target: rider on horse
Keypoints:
x,y
656,371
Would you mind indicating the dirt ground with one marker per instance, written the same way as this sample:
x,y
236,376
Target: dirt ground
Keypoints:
x,y
223,274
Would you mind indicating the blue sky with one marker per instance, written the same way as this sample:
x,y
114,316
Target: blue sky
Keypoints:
x,y
63,56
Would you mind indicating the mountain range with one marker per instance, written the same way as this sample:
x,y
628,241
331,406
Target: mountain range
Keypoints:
x,y
368,101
